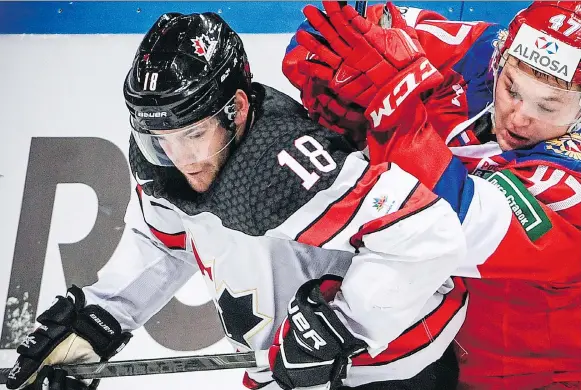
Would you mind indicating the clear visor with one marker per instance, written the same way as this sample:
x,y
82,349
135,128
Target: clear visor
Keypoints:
x,y
541,101
188,145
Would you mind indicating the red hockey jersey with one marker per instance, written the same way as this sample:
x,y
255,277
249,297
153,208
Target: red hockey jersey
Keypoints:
x,y
523,327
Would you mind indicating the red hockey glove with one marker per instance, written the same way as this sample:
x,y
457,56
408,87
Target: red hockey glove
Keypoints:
x,y
312,347
295,54
329,111
354,62
356,58
398,107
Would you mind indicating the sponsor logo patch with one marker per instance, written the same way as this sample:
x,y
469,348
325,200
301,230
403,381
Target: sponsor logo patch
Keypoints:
x,y
524,206
545,53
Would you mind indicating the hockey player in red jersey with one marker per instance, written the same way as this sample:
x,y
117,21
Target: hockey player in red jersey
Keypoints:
x,y
419,92
234,180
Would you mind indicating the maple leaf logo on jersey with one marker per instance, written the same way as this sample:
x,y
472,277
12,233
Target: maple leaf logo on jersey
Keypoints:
x,y
568,145
204,46
379,203
239,314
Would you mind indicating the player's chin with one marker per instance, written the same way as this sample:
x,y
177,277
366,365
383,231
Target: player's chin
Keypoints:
x,y
504,145
200,182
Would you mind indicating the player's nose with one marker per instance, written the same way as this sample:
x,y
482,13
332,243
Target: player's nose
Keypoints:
x,y
518,116
182,154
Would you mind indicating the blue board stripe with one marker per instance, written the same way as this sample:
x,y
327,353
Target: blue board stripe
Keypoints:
x,y
135,17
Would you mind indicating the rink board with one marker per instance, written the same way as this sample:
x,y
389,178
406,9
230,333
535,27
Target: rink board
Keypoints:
x,y
64,176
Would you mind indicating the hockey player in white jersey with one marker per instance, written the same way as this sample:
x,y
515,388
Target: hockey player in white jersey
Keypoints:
x,y
281,216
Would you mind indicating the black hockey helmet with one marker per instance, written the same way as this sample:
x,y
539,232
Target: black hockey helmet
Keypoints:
x,y
187,68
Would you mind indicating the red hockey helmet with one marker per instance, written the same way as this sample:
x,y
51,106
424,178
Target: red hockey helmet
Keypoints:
x,y
546,36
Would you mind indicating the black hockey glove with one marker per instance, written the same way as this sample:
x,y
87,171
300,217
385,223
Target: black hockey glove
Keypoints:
x,y
312,347
70,332
50,378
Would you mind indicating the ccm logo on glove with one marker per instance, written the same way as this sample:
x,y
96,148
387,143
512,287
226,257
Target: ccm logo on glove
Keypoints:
x,y
411,81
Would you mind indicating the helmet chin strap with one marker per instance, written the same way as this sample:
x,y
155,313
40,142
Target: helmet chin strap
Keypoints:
x,y
496,71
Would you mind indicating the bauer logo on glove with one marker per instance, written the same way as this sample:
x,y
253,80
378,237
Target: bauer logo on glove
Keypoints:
x,y
312,347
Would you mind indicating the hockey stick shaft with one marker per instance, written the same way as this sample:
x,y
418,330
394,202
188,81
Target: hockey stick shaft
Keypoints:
x,y
161,366
361,8
385,20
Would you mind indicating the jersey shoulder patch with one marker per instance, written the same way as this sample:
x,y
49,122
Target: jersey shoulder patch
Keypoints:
x,y
568,149
563,152
525,207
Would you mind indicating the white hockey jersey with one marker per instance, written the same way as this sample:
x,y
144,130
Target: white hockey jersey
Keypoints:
x,y
294,202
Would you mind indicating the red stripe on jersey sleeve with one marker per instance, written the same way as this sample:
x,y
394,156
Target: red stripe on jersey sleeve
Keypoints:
x,y
207,271
339,214
171,240
419,199
250,383
423,332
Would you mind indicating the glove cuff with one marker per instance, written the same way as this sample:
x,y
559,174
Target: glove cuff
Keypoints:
x,y
101,330
319,301
93,323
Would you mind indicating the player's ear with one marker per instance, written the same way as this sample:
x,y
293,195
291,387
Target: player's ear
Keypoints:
x,y
242,106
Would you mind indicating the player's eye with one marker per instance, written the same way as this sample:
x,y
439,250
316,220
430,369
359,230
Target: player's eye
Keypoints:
x,y
546,109
197,135
513,94
510,88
